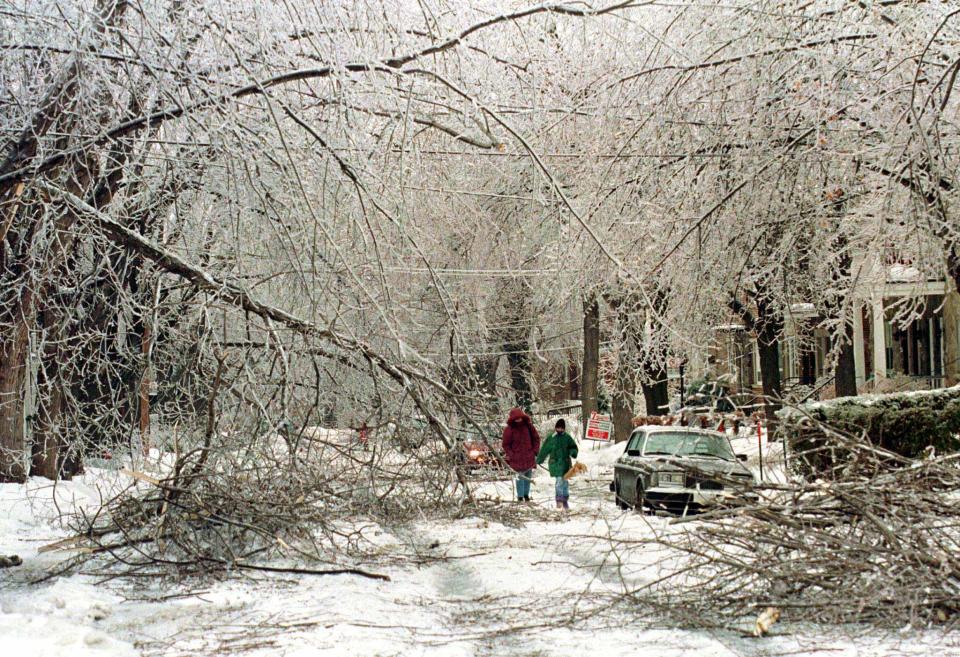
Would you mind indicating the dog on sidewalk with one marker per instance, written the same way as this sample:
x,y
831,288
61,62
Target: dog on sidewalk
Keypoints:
x,y
578,468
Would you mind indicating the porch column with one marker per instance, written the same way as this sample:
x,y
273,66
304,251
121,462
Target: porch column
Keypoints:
x,y
951,337
858,346
879,341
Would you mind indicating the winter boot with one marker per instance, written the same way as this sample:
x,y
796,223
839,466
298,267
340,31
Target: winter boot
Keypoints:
x,y
566,506
559,502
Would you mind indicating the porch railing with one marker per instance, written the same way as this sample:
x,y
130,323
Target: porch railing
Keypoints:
x,y
930,382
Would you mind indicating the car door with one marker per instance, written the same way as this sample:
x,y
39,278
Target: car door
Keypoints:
x,y
627,468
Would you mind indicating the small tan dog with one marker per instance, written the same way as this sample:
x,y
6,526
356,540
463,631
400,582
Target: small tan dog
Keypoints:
x,y
578,468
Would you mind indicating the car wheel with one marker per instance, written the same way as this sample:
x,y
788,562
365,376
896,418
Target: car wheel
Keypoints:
x,y
638,505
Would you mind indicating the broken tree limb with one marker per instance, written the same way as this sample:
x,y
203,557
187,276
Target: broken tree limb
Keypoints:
x,y
170,262
310,571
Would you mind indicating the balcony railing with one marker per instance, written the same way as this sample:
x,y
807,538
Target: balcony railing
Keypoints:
x,y
929,382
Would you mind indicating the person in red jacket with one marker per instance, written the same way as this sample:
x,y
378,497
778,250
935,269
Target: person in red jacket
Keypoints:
x,y
521,442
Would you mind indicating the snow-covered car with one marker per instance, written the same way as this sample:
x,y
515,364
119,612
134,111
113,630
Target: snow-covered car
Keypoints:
x,y
679,470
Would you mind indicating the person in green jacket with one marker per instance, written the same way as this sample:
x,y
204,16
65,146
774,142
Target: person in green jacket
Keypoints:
x,y
561,449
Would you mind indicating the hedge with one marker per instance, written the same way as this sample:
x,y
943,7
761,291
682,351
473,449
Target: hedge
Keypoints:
x,y
906,423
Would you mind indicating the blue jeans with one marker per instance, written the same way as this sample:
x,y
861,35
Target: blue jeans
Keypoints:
x,y
562,489
523,483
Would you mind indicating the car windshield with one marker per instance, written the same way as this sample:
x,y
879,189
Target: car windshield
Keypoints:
x,y
688,444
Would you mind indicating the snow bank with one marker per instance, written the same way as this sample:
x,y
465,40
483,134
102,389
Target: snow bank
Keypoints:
x,y
64,619
596,454
771,468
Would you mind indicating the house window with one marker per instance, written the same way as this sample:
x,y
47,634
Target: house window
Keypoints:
x,y
822,352
756,364
745,362
807,366
888,341
788,359
937,345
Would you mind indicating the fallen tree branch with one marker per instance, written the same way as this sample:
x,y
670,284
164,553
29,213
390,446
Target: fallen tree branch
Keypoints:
x,y
310,571
238,296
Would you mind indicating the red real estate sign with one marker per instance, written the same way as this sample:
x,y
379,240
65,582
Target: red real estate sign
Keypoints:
x,y
599,427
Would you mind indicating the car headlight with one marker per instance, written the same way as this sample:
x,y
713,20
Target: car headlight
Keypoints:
x,y
670,479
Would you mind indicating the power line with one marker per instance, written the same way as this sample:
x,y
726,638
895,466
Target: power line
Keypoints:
x,y
502,352
469,193
472,272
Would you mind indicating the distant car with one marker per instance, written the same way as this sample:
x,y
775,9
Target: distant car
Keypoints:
x,y
479,453
679,470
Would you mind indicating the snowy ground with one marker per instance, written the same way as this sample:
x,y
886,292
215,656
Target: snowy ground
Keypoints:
x,y
458,588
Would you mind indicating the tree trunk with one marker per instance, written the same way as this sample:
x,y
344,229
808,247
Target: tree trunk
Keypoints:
x,y
27,281
13,447
48,436
21,316
646,355
14,349
519,362
623,398
514,334
50,449
845,375
770,375
655,393
144,402
625,388
591,358
769,330
486,369
767,326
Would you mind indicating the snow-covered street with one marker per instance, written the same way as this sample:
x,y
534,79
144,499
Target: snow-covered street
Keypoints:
x,y
542,583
